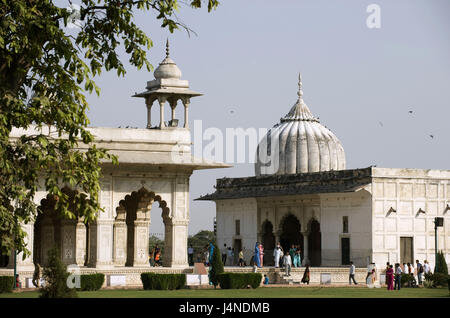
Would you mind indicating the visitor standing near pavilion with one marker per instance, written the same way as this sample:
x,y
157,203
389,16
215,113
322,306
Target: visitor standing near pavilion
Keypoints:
x,y
390,278
306,275
157,255
261,255
151,256
206,255
277,255
426,267
297,258
191,255
398,276
224,254
419,272
241,258
256,259
211,253
292,252
351,275
230,255
287,261
410,273
388,265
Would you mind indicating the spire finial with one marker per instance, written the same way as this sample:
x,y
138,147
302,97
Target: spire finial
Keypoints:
x,y
167,47
300,92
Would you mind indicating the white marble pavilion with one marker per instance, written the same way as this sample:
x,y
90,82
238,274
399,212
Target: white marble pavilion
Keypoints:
x,y
302,194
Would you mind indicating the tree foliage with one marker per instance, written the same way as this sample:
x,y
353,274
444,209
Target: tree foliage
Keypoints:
x,y
200,240
441,264
216,266
45,72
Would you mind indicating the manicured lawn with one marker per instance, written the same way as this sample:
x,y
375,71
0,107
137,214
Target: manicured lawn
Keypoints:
x,y
292,292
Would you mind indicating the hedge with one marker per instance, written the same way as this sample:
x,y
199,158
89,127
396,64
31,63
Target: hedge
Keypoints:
x,y
163,281
6,284
239,280
92,281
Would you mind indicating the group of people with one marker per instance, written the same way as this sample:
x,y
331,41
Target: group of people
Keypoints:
x,y
394,275
294,253
228,255
154,257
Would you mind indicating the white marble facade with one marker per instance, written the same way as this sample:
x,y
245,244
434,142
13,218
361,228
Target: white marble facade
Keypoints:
x,y
417,196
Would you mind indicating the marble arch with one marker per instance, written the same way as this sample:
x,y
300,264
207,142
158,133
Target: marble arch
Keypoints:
x,y
314,242
268,241
131,227
52,229
290,231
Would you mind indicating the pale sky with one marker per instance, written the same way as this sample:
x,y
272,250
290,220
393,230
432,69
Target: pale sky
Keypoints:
x,y
361,82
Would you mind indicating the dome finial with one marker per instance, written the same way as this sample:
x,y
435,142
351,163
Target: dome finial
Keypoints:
x,y
300,92
167,47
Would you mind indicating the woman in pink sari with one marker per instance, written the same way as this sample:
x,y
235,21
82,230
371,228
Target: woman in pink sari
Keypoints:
x,y
390,278
261,254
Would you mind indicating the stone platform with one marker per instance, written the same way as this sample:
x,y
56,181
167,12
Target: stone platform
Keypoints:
x,y
131,276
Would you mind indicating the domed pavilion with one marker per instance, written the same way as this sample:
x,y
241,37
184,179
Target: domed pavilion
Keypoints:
x,y
302,194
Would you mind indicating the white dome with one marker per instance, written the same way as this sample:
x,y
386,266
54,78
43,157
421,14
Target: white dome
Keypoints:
x,y
304,145
167,69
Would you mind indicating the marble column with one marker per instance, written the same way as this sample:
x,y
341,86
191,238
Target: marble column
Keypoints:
x,y
141,235
186,102
100,244
176,233
305,249
27,263
141,226
47,238
80,243
120,238
161,102
149,113
173,105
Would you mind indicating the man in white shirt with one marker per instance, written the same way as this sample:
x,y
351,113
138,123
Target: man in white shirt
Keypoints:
x,y
277,255
287,261
426,267
224,254
352,274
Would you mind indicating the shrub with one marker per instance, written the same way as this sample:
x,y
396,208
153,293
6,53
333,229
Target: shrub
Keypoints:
x,y
6,284
163,281
437,280
92,281
55,275
239,280
441,264
216,267
405,279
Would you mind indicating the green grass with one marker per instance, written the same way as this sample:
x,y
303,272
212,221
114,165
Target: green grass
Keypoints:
x,y
292,292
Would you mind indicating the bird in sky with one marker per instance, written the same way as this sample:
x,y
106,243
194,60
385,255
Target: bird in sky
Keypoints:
x,y
431,136
410,112
381,124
